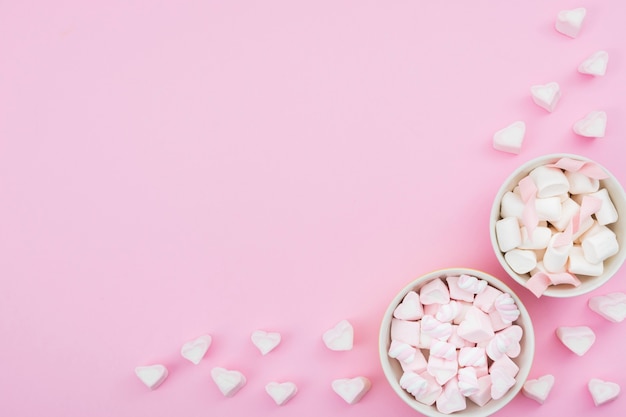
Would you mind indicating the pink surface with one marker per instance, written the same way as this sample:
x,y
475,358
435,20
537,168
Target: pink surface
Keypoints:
x,y
174,168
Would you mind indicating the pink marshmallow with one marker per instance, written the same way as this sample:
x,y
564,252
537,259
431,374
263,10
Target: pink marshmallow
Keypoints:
x,y
472,356
434,292
477,326
433,390
486,299
442,369
406,331
456,292
451,399
401,351
410,308
483,396
445,350
506,365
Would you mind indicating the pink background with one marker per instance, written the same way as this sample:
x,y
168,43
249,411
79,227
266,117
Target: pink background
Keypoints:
x,y
172,168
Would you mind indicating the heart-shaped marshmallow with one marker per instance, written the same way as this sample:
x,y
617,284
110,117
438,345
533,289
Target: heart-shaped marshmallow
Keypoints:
x,y
265,341
505,342
501,382
610,306
194,350
434,292
152,375
410,308
595,65
591,126
281,392
451,399
538,389
510,138
578,339
351,389
228,381
569,22
340,337
476,327
603,391
546,96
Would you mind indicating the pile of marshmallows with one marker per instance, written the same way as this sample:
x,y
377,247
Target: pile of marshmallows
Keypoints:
x,y
554,224
454,339
230,381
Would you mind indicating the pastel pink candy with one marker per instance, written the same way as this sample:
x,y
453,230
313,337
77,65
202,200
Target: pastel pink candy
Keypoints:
x,y
505,305
406,331
483,395
610,306
603,391
476,327
436,329
451,399
445,350
578,339
501,382
340,337
442,369
486,299
281,392
448,312
593,125
538,389
418,364
151,375
471,284
410,308
472,356
505,342
468,381
434,292
194,350
456,292
433,390
463,307
229,382
457,340
401,351
351,389
506,365
497,322
413,383
265,341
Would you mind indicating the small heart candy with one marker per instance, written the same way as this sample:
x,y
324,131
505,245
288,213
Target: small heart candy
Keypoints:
x,y
228,382
195,350
410,308
546,96
152,375
591,126
340,337
595,65
603,391
510,138
538,389
351,389
265,341
281,392
610,306
578,339
569,22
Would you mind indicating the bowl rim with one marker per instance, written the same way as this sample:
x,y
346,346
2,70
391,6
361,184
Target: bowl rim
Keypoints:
x,y
494,215
384,338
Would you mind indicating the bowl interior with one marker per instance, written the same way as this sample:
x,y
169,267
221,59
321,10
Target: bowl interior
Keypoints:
x,y
611,265
393,370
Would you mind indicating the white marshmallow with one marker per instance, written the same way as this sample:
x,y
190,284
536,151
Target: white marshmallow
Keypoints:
x,y
546,96
595,65
593,125
476,327
229,382
351,389
548,208
599,245
580,183
578,339
602,391
550,181
508,233
585,226
610,306
510,138
194,350
540,238
281,392
265,341
406,331
607,213
569,22
569,208
511,205
152,375
410,308
555,258
451,399
521,260
578,265
340,337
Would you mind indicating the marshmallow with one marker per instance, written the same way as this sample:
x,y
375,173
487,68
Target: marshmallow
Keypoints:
x,y
501,382
442,369
520,260
569,22
410,308
151,375
457,340
506,365
435,329
418,364
506,307
468,381
413,383
486,299
496,321
401,351
281,392
585,225
463,307
511,205
265,341
549,208
476,327
434,292
448,312
593,125
595,65
472,356
194,350
602,391
510,138
505,342
433,390
351,389
577,264
444,350
451,399
229,382
546,96
406,331
456,292
483,396
569,208
538,389
599,245
472,284
580,183
556,256
607,213
610,306
578,339
339,337
431,309
550,181
508,233
539,240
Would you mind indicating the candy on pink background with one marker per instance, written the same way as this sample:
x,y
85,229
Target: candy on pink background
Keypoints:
x,y
413,383
340,337
433,390
351,389
603,391
401,351
476,327
595,65
151,375
483,395
510,138
546,96
569,22
611,306
456,292
434,292
593,125
451,399
538,389
281,392
228,381
406,331
506,365
265,341
442,369
578,339
485,300
194,350
410,308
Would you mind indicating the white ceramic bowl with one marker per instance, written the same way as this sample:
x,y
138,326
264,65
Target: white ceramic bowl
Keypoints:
x,y
393,371
611,265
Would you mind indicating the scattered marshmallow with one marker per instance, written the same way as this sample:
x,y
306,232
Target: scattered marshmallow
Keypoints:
x,y
194,350
476,327
569,22
265,341
521,260
410,308
595,65
510,138
546,96
506,307
151,375
538,389
578,339
593,125
351,389
229,382
340,337
501,382
281,392
603,391
610,306
550,181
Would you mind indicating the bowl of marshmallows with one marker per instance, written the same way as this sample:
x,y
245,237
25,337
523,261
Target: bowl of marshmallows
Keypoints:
x,y
456,341
557,225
